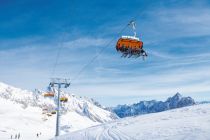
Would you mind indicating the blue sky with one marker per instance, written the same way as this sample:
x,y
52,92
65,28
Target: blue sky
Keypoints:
x,y
176,35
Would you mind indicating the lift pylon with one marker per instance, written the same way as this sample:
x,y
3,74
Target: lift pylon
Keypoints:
x,y
59,83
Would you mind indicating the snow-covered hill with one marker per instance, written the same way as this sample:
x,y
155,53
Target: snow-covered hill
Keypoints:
x,y
187,123
30,112
144,107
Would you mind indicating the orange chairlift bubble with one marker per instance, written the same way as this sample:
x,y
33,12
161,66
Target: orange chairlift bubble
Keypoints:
x,y
49,93
131,45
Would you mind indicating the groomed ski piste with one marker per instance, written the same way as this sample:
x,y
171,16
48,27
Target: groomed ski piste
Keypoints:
x,y
188,123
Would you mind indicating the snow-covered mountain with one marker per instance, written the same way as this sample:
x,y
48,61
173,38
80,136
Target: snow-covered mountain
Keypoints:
x,y
144,107
25,111
187,123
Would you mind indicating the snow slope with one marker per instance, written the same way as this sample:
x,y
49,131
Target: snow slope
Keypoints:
x,y
188,123
29,113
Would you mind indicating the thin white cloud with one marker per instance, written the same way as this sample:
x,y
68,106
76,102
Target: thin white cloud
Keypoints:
x,y
160,54
86,42
165,23
187,83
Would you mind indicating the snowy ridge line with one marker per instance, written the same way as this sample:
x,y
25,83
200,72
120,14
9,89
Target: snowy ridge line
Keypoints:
x,y
153,106
81,105
24,97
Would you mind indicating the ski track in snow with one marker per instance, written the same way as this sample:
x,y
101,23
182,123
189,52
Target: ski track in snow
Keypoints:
x,y
188,123
111,133
107,132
